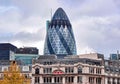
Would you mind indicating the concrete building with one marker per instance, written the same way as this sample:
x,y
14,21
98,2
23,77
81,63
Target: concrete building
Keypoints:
x,y
70,70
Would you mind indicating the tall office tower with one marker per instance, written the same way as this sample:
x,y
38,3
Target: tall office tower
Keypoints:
x,y
60,39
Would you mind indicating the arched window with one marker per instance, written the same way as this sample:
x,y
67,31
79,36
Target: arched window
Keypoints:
x,y
37,71
79,70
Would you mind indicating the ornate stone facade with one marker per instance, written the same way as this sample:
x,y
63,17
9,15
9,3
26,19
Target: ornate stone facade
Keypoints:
x,y
70,70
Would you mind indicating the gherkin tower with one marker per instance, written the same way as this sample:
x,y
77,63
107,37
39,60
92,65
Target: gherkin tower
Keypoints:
x,y
60,39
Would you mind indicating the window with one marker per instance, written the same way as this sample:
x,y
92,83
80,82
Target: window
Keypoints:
x,y
79,79
48,63
118,80
91,69
98,71
98,81
108,81
47,80
113,81
69,79
79,70
91,80
37,71
58,79
37,80
47,70
69,69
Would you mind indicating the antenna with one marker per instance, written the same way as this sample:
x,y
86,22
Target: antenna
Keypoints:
x,y
117,54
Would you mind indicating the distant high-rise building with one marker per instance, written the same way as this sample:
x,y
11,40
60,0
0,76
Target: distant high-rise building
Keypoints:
x,y
7,51
60,38
114,56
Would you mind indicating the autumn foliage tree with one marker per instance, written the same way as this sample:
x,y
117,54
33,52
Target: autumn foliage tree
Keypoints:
x,y
14,76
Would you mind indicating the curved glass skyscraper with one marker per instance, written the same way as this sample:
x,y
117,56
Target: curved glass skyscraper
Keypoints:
x,y
60,38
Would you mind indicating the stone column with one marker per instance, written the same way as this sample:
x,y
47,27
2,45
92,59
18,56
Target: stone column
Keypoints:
x,y
85,79
63,80
106,80
53,80
41,79
75,70
116,80
111,80
75,80
95,70
33,80
94,80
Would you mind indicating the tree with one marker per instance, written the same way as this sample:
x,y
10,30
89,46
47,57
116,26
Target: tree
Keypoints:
x,y
14,76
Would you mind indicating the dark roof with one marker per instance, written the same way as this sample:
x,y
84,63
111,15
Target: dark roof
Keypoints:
x,y
7,62
47,60
27,50
8,46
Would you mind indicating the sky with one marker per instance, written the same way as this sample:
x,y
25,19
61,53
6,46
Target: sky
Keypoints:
x,y
96,23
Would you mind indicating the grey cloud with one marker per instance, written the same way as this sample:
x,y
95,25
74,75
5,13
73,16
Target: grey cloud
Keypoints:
x,y
29,37
23,36
95,22
37,7
100,34
93,8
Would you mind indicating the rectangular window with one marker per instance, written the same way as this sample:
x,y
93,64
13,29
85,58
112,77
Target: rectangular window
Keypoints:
x,y
98,80
91,80
69,69
37,80
118,80
47,70
108,81
79,79
58,79
47,80
91,69
69,79
79,70
114,81
98,71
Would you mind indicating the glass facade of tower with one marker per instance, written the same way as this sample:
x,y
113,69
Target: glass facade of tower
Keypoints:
x,y
60,38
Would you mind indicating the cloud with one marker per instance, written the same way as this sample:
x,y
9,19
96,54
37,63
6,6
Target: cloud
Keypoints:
x,y
99,34
29,37
37,7
95,23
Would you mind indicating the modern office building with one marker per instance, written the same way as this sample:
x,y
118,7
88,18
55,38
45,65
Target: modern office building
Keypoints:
x,y
7,51
70,70
60,39
114,56
26,54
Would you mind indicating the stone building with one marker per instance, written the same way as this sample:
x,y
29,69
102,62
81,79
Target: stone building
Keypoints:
x,y
70,70
112,72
